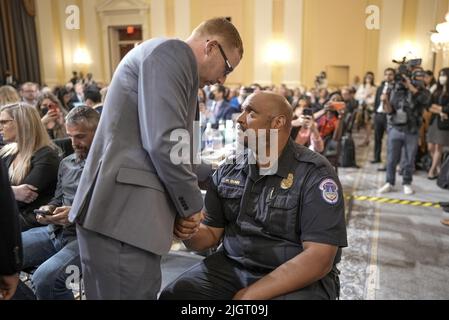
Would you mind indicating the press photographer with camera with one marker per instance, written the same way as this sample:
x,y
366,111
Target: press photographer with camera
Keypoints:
x,y
404,107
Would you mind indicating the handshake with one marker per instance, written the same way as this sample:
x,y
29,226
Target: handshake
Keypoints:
x,y
186,228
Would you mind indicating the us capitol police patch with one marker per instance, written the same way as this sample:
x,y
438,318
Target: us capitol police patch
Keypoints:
x,y
329,191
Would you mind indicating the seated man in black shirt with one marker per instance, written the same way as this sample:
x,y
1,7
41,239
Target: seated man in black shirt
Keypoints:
x,y
281,222
53,248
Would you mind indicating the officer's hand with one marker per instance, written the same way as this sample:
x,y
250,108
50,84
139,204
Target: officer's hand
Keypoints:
x,y
186,228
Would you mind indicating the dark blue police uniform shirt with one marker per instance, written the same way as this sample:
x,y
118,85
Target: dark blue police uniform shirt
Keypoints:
x,y
267,217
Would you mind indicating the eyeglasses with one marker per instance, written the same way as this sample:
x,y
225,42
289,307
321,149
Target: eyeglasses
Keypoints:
x,y
4,122
228,66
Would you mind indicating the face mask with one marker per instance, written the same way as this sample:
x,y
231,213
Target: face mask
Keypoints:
x,y
443,80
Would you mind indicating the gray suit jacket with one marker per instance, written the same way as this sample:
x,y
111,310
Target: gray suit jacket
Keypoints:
x,y
130,190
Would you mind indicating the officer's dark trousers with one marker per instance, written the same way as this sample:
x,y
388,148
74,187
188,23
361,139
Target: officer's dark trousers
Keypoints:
x,y
380,127
219,278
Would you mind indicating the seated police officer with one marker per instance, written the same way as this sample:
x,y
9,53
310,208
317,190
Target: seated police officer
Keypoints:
x,y
281,222
53,248
405,108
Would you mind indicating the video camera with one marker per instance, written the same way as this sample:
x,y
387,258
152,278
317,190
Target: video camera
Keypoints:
x,y
405,69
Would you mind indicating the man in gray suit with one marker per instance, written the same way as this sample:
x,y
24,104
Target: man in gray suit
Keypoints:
x,y
130,190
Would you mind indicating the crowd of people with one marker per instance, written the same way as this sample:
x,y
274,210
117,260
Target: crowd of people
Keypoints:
x,y
47,134
324,117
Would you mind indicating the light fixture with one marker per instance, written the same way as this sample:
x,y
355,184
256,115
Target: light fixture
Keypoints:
x,y
278,53
408,49
81,57
130,30
440,37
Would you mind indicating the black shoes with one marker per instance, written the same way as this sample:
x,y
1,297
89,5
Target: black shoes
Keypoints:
x,y
375,161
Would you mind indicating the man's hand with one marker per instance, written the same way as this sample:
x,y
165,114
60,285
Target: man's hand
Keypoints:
x,y
409,85
25,193
59,217
186,228
314,127
8,286
42,219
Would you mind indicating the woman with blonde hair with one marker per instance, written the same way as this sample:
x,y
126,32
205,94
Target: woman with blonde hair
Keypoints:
x,y
8,95
52,115
31,158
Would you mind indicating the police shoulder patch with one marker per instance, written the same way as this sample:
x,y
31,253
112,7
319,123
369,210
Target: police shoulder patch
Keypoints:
x,y
329,191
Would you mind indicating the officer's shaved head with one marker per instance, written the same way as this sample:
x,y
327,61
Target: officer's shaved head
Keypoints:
x,y
266,116
271,105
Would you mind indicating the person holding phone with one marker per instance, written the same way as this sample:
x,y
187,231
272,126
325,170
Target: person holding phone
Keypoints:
x,y
52,115
53,246
305,130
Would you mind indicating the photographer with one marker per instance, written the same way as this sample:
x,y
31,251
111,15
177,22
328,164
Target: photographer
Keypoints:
x,y
404,108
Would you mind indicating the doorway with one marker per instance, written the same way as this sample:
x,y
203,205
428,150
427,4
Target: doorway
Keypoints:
x,y
122,39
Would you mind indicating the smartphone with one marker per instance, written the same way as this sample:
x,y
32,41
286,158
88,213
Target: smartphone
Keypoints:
x,y
42,212
307,112
53,107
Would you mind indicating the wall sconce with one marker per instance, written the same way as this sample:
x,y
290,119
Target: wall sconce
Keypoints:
x,y
81,57
278,53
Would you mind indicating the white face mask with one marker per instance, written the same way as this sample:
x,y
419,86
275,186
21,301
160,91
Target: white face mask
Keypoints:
x,y
443,80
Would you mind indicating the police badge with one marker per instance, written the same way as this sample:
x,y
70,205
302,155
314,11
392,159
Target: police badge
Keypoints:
x,y
287,183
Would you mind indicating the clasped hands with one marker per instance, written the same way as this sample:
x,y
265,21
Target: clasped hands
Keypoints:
x,y
186,228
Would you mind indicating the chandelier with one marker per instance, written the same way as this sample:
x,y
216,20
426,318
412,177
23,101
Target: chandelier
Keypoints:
x,y
440,38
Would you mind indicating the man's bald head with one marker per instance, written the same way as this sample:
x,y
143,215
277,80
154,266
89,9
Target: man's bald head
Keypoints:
x,y
272,105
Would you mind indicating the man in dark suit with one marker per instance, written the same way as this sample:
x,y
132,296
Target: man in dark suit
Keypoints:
x,y
222,109
10,240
